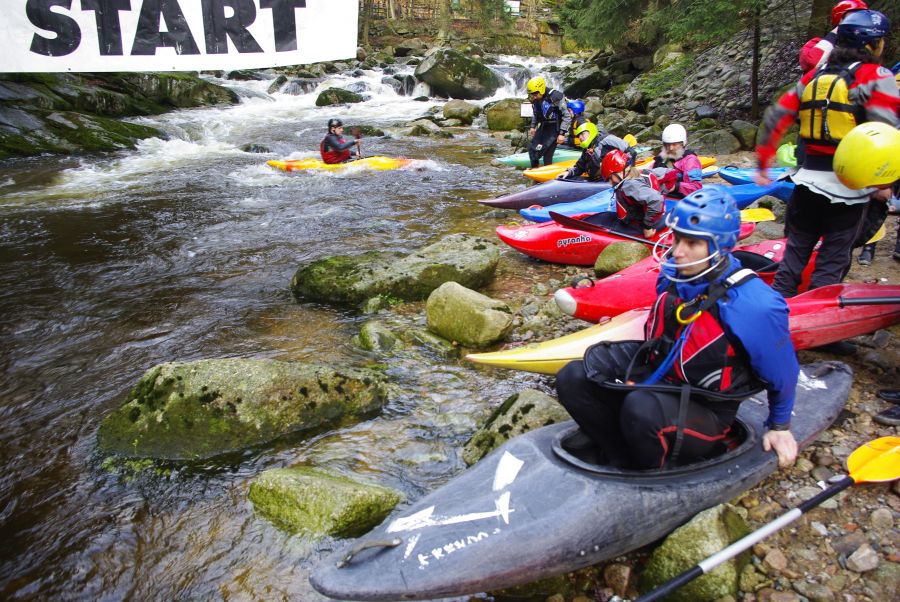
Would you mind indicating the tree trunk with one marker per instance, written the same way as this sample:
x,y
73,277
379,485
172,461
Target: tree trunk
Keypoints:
x,y
819,19
367,11
754,70
445,19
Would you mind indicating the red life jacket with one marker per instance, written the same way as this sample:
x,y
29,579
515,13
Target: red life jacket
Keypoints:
x,y
623,201
709,358
334,156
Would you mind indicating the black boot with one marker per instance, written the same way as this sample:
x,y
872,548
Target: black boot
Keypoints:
x,y
867,254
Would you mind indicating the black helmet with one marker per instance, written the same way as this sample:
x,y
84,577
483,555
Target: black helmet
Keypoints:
x,y
335,123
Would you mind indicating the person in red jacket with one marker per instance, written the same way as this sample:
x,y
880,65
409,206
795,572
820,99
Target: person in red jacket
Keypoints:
x,y
851,88
334,148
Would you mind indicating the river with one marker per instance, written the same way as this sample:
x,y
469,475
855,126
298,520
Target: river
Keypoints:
x,y
183,249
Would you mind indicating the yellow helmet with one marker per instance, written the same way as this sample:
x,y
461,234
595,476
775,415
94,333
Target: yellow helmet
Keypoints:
x,y
588,127
536,84
869,155
630,139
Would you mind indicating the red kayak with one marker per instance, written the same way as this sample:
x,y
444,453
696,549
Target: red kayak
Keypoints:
x,y
578,244
840,311
635,286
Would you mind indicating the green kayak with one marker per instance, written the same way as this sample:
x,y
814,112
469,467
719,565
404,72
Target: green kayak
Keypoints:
x,y
521,160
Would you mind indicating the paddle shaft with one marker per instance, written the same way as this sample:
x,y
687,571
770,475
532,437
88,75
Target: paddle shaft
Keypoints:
x,y
740,545
847,301
578,224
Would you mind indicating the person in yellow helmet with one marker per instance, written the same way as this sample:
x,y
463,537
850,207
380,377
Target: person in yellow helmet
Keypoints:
x,y
550,121
596,143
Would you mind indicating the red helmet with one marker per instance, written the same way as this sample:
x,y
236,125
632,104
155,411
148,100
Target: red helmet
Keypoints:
x,y
843,7
614,162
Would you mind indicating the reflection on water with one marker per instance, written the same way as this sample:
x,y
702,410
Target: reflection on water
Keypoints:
x,y
183,249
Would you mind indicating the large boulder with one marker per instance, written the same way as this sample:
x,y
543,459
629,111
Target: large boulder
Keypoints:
x,y
462,110
707,533
519,413
202,409
618,256
452,74
459,314
716,142
337,96
314,503
505,115
350,280
584,77
745,132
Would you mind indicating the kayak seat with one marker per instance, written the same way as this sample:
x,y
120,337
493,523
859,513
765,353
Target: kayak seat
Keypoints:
x,y
576,448
755,261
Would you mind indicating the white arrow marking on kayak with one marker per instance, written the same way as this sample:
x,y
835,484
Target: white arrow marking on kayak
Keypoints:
x,y
423,518
507,470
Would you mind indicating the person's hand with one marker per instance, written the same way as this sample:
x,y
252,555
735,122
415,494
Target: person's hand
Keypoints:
x,y
882,194
669,182
784,444
565,174
560,139
531,132
648,232
761,177
358,141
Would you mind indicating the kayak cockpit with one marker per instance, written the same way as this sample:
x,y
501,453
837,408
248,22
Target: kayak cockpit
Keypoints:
x,y
574,447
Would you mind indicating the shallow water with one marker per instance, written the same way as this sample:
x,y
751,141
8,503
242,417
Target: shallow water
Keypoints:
x,y
183,249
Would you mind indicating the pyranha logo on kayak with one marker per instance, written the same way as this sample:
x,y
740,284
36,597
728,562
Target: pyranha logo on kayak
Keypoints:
x,y
565,242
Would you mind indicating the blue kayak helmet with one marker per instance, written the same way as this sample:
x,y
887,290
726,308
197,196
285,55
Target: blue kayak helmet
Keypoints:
x,y
709,214
576,106
862,27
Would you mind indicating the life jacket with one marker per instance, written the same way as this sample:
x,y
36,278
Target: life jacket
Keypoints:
x,y
826,112
627,208
547,110
333,156
710,358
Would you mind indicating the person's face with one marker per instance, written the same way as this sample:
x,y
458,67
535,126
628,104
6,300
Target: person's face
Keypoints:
x,y
673,148
616,177
877,49
583,137
534,96
339,130
687,250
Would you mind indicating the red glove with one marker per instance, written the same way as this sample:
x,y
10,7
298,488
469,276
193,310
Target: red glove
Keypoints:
x,y
669,182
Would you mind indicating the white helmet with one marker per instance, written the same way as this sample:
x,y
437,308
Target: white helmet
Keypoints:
x,y
674,133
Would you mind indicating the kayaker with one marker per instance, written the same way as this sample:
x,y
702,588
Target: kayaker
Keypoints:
x,y
334,148
550,121
852,87
715,335
817,50
596,144
639,205
678,169
576,110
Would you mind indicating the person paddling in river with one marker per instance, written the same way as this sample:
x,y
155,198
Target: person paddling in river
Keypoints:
x,y
678,169
851,88
596,144
550,121
334,148
716,335
639,204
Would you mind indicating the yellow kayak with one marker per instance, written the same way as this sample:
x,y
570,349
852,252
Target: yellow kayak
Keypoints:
x,y
549,172
550,356
379,163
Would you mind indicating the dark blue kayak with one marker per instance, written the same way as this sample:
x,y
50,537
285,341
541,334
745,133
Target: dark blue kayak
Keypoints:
x,y
744,195
540,506
548,193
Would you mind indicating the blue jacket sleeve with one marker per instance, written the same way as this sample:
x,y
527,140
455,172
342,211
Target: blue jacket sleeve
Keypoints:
x,y
758,317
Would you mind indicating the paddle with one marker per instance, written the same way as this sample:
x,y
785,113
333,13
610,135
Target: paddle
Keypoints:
x,y
877,461
579,224
358,137
877,236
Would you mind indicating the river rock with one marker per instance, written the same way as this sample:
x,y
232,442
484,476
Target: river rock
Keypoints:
x,y
519,413
376,336
452,74
716,142
312,502
745,132
619,256
350,280
581,78
707,533
505,115
863,559
459,314
462,110
337,96
206,408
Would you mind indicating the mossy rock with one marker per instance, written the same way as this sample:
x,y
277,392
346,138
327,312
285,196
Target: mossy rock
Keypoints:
x,y
519,413
376,336
460,314
707,533
452,74
505,115
198,410
337,96
312,502
618,256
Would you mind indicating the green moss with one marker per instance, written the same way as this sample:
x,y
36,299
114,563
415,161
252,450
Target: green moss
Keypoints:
x,y
669,77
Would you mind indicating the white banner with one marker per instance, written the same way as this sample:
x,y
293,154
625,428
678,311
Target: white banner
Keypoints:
x,y
173,35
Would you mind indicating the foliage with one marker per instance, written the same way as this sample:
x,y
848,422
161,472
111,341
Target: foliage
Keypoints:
x,y
672,76
601,22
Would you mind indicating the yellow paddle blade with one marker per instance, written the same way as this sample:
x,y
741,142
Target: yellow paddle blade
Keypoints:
x,y
877,461
878,235
757,214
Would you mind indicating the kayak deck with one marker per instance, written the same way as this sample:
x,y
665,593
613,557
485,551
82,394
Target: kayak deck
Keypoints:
x,y
376,163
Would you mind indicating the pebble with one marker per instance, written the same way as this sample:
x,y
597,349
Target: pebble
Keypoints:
x,y
819,528
849,543
803,465
882,519
864,559
815,592
821,473
617,577
823,458
776,560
